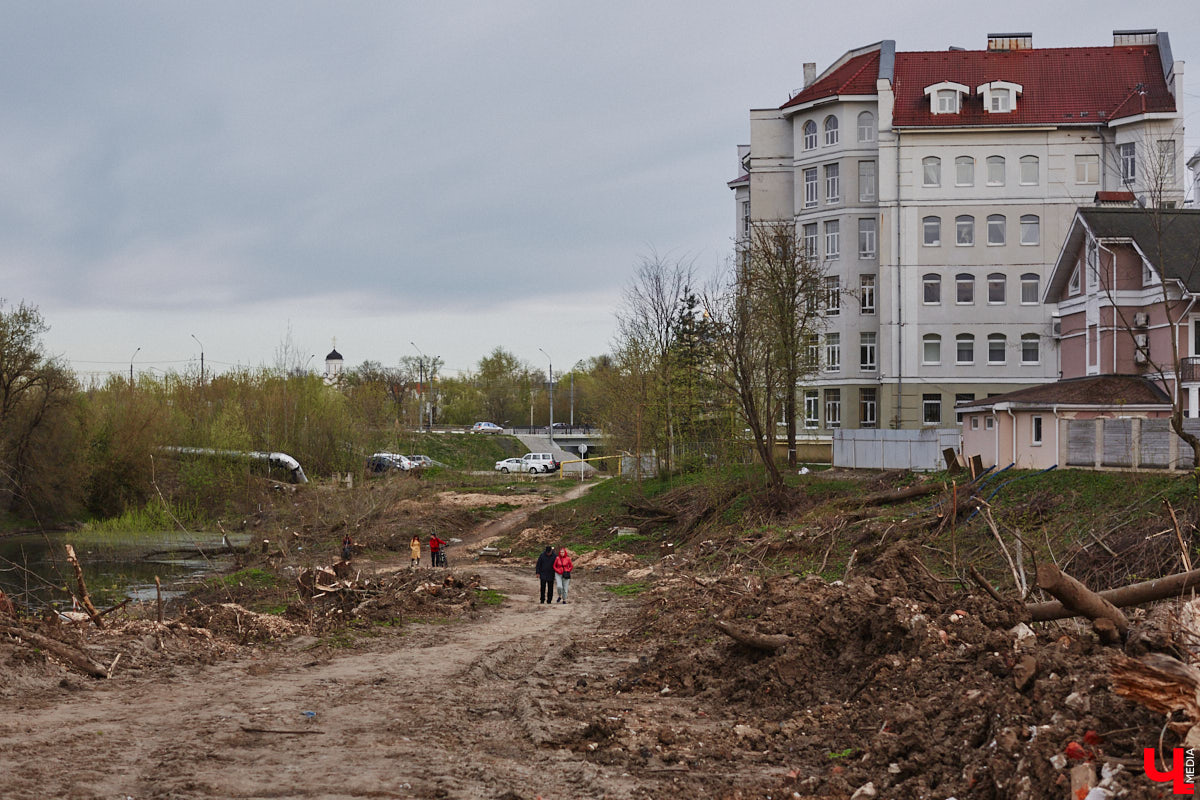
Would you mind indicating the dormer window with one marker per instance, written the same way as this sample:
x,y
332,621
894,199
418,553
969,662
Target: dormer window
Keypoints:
x,y
999,97
946,97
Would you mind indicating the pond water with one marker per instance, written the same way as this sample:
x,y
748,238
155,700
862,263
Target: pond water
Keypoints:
x,y
34,570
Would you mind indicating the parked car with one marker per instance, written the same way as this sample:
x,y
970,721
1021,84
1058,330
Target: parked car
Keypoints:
x,y
510,465
382,462
421,461
486,427
538,462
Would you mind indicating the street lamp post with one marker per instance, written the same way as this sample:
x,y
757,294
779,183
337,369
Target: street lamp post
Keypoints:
x,y
135,352
201,356
551,362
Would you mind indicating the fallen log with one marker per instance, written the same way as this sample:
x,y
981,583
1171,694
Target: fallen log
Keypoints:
x,y
1080,599
766,642
58,649
1132,595
1158,682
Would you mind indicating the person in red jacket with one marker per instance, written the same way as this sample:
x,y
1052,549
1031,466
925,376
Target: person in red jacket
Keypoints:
x,y
562,573
435,550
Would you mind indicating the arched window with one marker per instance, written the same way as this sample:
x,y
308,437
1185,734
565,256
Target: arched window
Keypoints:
x,y
995,170
1031,229
831,130
931,231
931,349
931,171
1030,349
1030,289
996,228
964,289
997,348
1029,170
866,127
810,135
964,230
997,288
964,349
964,171
931,289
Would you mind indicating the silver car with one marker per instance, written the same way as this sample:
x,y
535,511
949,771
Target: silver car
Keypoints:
x,y
509,465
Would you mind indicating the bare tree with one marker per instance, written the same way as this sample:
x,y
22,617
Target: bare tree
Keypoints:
x,y
764,311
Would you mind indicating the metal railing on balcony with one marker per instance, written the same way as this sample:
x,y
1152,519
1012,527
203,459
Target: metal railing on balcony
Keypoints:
x,y
1189,369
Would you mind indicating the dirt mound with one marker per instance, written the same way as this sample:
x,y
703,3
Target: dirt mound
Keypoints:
x,y
891,678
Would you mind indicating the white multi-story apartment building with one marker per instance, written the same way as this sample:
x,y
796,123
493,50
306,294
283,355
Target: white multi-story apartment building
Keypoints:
x,y
936,189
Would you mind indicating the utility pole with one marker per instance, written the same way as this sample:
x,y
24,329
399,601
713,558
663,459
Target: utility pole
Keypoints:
x,y
201,358
421,393
135,352
547,355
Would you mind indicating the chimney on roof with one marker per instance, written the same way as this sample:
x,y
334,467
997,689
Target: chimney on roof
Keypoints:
x,y
810,73
1135,37
1010,41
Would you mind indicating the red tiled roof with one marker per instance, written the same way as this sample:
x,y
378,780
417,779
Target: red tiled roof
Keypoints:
x,y
857,76
1064,85
1114,197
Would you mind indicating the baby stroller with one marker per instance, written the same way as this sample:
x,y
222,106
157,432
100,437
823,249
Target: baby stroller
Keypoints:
x,y
441,557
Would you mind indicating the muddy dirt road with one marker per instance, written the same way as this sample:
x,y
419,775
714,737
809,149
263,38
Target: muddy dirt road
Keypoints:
x,y
492,707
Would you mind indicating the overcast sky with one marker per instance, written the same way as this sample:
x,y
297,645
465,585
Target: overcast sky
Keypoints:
x,y
402,175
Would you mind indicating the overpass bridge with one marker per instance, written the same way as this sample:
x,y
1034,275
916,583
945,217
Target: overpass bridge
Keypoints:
x,y
566,438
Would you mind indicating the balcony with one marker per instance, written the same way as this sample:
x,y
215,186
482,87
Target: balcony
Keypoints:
x,y
1189,369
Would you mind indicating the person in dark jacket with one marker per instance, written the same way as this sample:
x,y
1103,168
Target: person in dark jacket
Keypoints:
x,y
545,573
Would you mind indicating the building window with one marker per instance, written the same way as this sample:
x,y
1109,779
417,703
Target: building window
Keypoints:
x,y
1001,102
833,296
868,409
931,349
995,170
1030,349
1031,229
964,171
1075,285
1093,262
931,170
833,408
1166,162
1029,170
997,348
931,289
931,409
810,187
833,351
866,182
989,423
745,219
831,130
808,234
974,423
1087,168
1030,289
812,409
866,238
996,229
866,127
866,293
947,101
833,239
1037,430
964,349
997,288
931,231
833,184
866,352
810,135
964,230
1129,162
964,289
960,399
812,350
